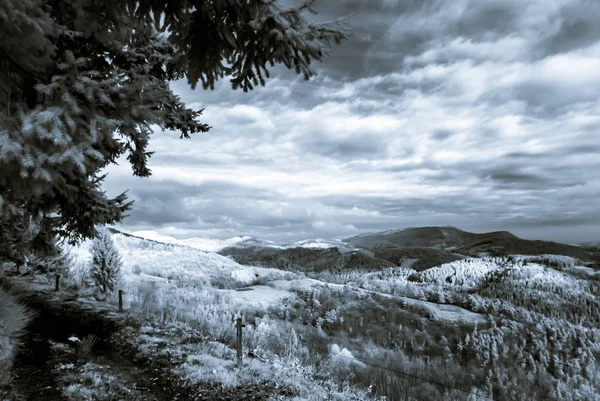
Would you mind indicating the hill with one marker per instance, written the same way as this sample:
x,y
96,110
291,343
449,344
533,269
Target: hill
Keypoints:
x,y
452,239
305,338
305,259
424,258
424,247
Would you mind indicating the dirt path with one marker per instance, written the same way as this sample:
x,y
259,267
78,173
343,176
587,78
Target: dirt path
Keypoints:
x,y
34,379
58,317
54,321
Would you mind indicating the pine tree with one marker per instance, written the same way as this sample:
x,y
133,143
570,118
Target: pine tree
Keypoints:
x,y
106,261
84,82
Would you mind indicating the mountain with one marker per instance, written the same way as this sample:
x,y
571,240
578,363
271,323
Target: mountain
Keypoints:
x,y
433,237
454,240
422,258
590,244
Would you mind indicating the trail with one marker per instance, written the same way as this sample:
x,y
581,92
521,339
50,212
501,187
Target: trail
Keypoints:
x,y
34,379
57,317
34,362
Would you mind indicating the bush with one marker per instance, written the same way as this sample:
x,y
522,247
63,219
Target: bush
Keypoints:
x,y
86,346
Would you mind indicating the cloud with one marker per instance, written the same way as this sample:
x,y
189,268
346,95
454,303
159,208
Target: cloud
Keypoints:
x,y
481,115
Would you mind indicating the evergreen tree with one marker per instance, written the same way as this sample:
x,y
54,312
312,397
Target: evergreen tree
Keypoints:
x,y
106,261
63,259
83,82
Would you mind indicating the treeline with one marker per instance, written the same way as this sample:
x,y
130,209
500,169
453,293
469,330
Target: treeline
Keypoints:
x,y
306,259
333,260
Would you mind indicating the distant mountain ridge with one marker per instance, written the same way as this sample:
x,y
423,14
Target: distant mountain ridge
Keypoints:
x,y
436,237
421,247
452,239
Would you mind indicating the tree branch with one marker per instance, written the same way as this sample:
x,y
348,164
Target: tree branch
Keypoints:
x,y
25,70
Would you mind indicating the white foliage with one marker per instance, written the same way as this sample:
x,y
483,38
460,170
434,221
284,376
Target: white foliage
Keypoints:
x,y
178,262
464,272
540,276
556,260
343,356
243,275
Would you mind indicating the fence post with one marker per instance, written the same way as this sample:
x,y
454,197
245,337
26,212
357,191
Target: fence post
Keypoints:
x,y
56,282
238,344
120,300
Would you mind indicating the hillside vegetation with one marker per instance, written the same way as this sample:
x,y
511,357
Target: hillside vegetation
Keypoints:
x,y
523,327
418,248
306,259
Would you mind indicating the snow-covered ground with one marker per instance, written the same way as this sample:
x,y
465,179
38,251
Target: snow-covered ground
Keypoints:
x,y
257,295
585,269
450,313
176,262
301,284
274,292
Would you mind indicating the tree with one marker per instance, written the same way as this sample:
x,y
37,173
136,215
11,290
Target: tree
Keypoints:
x,y
106,261
62,260
85,82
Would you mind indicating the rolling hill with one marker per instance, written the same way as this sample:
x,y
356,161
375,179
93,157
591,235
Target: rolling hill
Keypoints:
x,y
424,247
452,239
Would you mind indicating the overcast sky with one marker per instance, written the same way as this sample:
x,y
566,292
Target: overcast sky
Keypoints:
x,y
481,114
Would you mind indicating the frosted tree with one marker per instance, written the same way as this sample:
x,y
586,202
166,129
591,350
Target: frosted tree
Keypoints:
x,y
84,82
106,261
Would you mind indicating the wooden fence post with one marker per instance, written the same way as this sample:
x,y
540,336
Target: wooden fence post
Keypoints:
x,y
238,344
56,282
120,300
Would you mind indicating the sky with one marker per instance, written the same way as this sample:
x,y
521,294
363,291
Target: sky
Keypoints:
x,y
480,114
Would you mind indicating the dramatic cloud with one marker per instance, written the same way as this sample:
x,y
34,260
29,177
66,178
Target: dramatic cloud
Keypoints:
x,y
478,114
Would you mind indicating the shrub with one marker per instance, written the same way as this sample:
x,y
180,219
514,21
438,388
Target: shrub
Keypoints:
x,y
86,345
137,269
